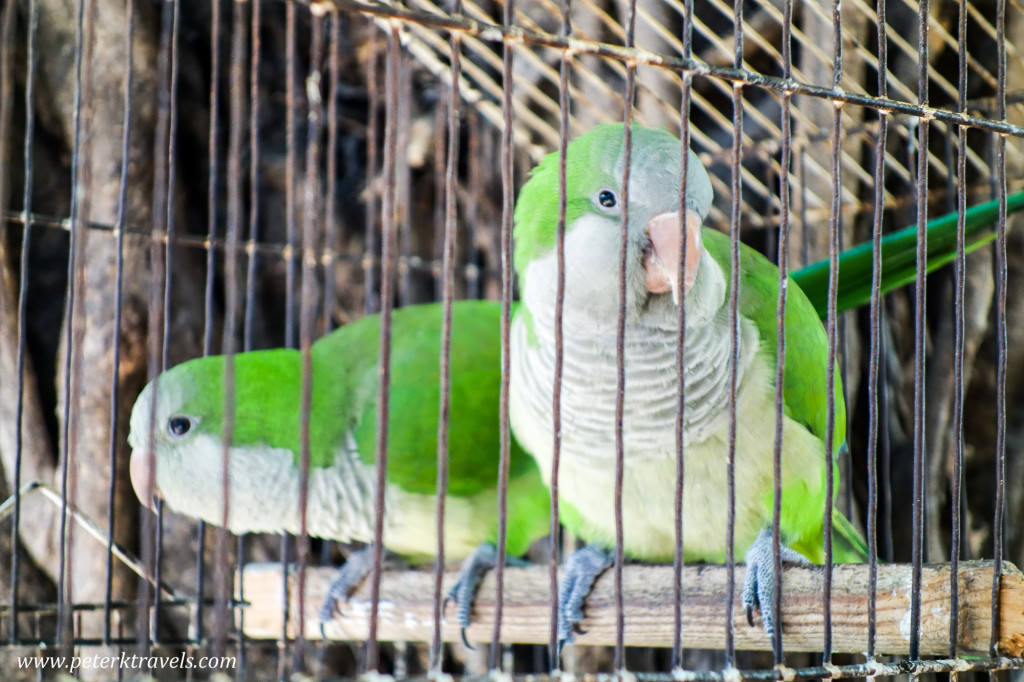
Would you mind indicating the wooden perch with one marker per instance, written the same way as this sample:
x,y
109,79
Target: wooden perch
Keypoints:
x,y
406,608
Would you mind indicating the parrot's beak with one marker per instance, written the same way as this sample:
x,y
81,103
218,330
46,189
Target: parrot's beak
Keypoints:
x,y
144,477
661,260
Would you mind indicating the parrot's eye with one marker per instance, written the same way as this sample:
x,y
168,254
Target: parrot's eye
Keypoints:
x,y
607,198
179,425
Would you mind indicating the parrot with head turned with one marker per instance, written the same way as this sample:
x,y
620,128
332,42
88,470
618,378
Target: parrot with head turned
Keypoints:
x,y
177,450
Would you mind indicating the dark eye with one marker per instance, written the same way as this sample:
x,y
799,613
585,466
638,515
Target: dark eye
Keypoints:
x,y
607,198
179,425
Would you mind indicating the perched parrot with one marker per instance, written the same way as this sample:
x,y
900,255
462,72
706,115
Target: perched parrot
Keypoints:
x,y
187,445
594,178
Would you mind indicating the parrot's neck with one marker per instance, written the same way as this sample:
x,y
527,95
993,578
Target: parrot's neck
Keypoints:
x,y
590,385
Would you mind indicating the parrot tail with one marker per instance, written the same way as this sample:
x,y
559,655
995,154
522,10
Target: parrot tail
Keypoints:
x,y
848,546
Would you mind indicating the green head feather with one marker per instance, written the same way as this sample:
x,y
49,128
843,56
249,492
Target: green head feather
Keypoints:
x,y
594,162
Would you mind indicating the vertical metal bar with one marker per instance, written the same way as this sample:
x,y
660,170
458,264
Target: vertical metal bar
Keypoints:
x,y
250,282
307,317
157,304
1001,276
559,360
619,658
212,200
957,482
874,353
291,165
384,367
832,329
26,245
507,208
447,297
684,244
291,272
786,129
917,544
440,167
172,157
248,321
736,187
171,160
235,215
885,474
212,203
254,175
119,229
74,323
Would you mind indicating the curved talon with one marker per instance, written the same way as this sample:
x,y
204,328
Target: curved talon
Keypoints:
x,y
581,570
465,641
760,581
348,577
331,608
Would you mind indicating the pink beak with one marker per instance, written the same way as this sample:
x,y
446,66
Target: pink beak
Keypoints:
x,y
662,264
143,474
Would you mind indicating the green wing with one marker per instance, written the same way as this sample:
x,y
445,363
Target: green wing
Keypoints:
x,y
414,399
899,257
804,391
806,342
414,393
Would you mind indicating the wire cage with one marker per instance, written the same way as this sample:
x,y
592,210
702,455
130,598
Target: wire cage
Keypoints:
x,y
197,177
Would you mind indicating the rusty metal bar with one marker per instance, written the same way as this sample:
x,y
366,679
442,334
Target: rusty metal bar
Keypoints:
x,y
507,209
387,230
447,298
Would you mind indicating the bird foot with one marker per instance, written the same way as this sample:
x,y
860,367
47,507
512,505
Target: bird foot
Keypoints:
x,y
348,578
581,570
759,582
484,558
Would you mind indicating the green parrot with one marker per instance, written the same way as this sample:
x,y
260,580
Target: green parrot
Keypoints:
x,y
187,446
594,179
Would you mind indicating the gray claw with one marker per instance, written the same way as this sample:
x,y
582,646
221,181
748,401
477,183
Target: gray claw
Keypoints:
x,y
484,558
759,582
581,570
346,580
